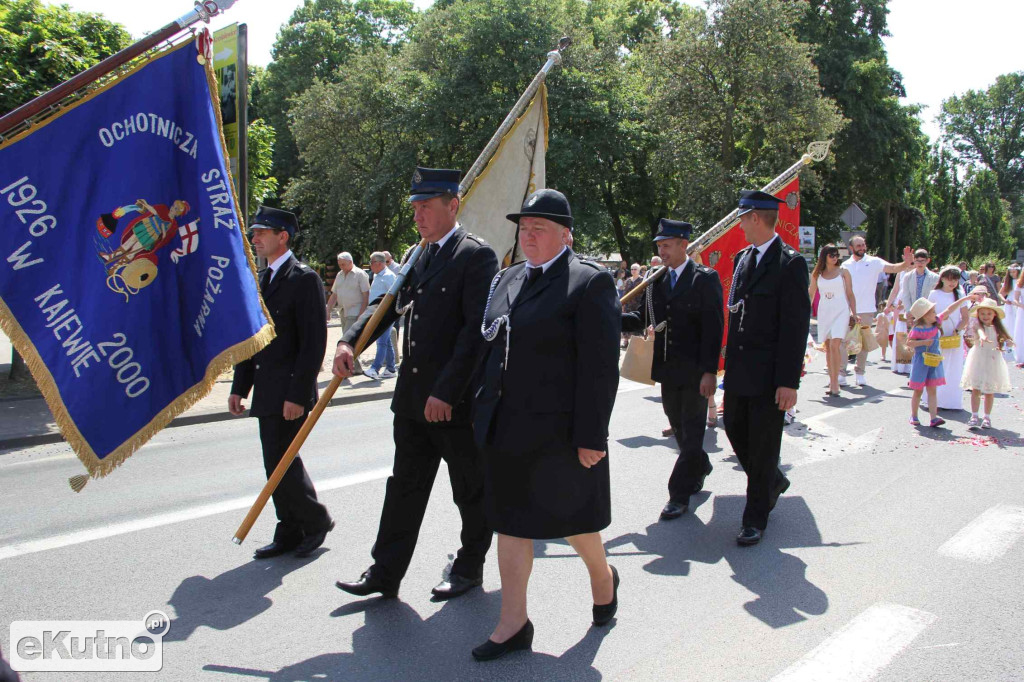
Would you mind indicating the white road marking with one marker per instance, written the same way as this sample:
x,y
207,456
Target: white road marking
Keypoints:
x,y
987,537
823,442
864,646
190,514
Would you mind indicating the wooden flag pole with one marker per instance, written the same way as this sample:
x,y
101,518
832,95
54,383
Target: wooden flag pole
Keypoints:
x,y
201,12
325,399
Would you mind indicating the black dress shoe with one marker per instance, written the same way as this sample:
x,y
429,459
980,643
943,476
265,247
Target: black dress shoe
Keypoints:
x,y
490,650
369,584
699,485
455,585
605,612
673,510
275,548
749,536
310,543
782,487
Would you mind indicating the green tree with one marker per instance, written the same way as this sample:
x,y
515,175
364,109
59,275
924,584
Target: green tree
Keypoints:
x,y
316,43
875,156
988,215
987,127
260,154
41,46
738,99
358,154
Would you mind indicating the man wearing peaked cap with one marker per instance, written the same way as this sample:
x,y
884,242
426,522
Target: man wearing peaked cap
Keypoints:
x,y
283,378
769,317
685,308
442,301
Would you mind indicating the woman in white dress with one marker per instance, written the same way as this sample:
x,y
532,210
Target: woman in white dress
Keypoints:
x,y
836,309
1017,303
1009,293
950,396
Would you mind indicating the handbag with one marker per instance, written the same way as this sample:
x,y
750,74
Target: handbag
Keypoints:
x,y
932,359
904,353
636,363
867,339
853,340
949,342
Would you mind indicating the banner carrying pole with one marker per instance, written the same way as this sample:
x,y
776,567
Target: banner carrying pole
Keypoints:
x,y
816,151
553,59
202,11
325,399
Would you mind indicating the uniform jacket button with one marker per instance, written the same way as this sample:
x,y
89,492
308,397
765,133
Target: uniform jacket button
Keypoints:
x,y
740,348
443,289
419,291
412,343
415,316
415,370
257,366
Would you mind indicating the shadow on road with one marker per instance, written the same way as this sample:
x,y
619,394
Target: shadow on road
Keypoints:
x,y
230,599
395,643
784,594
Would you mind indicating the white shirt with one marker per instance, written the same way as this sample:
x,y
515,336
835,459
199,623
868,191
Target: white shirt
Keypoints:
x,y
276,265
442,240
679,270
764,247
864,273
544,266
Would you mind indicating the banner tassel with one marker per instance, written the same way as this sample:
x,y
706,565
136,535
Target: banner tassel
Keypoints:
x,y
78,482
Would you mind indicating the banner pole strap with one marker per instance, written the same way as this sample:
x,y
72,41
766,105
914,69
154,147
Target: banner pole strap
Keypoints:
x,y
325,399
202,11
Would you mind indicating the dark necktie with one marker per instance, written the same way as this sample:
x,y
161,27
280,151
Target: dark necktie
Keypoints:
x,y
532,275
673,277
750,266
432,250
265,279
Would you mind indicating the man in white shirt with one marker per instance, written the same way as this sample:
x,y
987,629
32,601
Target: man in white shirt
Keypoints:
x,y
864,270
351,291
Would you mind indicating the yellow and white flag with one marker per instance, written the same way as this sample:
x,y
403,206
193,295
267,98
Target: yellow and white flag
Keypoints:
x,y
515,170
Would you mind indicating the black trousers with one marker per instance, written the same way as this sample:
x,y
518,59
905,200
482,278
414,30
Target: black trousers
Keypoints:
x,y
754,427
419,449
298,511
686,410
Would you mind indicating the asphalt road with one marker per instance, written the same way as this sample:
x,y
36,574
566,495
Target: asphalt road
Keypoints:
x,y
896,555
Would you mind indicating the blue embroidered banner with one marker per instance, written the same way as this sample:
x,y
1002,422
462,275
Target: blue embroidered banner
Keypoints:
x,y
125,279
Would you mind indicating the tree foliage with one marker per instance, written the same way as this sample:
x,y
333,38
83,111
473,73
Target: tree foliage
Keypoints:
x,y
987,127
41,46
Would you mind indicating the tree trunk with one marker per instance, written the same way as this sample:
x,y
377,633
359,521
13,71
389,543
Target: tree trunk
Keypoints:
x,y
620,232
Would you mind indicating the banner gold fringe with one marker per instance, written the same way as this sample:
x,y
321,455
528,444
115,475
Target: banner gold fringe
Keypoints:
x,y
97,467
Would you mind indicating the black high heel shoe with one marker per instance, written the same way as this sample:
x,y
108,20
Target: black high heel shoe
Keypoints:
x,y
605,612
490,650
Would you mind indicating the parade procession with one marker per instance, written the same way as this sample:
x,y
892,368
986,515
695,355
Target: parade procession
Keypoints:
x,y
589,340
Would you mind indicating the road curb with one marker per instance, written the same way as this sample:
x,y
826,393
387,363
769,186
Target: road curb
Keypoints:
x,y
186,420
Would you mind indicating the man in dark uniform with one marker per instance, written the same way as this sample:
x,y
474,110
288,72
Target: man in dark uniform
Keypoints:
x,y
685,308
284,376
769,317
443,302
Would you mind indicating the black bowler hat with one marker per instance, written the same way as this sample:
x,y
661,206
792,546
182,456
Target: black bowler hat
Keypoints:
x,y
428,183
545,203
268,218
756,200
673,229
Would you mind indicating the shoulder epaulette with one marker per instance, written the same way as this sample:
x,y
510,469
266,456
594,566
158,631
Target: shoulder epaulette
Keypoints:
x,y
591,263
477,239
705,269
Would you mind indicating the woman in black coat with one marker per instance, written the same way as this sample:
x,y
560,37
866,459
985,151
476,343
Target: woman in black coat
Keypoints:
x,y
549,378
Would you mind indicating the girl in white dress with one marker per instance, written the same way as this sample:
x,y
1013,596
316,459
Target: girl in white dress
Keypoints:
x,y
985,372
837,309
950,396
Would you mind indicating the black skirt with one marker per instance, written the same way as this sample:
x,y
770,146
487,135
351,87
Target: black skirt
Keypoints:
x,y
541,491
